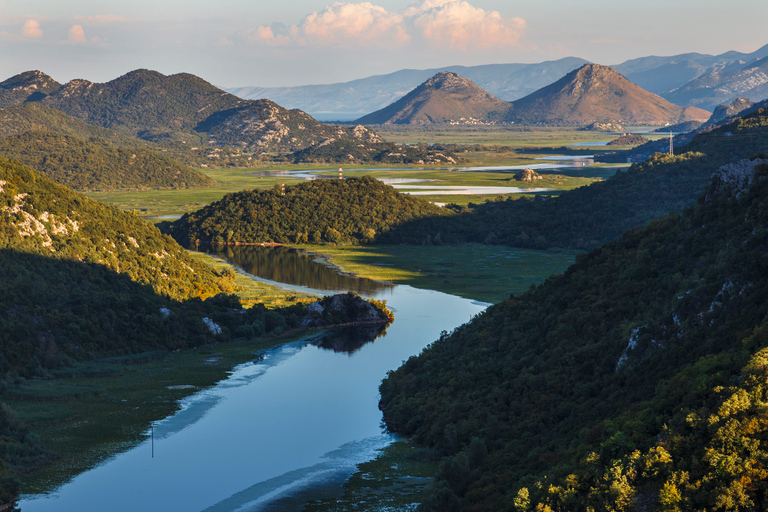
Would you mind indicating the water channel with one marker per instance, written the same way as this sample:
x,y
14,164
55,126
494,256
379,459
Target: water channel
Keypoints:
x,y
295,422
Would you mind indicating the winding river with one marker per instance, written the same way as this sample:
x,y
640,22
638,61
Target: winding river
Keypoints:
x,y
287,425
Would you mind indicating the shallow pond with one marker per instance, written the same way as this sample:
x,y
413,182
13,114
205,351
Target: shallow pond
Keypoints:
x,y
291,423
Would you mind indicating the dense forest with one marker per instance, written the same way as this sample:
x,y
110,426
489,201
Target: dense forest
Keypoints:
x,y
587,217
352,151
351,210
94,164
635,381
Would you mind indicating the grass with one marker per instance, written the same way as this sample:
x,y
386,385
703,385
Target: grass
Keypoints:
x,y
532,142
251,291
394,481
483,272
99,408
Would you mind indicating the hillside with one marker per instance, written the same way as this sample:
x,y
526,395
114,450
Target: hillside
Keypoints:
x,y
587,217
595,93
27,86
444,98
635,381
184,109
320,211
721,87
663,74
94,164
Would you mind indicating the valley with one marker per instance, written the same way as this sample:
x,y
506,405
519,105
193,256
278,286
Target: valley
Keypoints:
x,y
564,331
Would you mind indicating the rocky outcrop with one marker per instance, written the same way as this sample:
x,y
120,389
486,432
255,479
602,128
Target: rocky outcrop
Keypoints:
x,y
527,175
345,309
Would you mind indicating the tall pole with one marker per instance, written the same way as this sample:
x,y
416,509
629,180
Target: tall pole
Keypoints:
x,y
671,152
340,173
153,440
282,192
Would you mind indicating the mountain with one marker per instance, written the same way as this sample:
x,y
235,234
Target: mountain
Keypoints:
x,y
185,109
663,74
321,211
634,381
27,86
506,81
94,164
734,108
595,93
587,217
445,97
724,86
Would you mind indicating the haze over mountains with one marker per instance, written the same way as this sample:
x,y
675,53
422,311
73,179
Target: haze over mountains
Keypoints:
x,y
509,82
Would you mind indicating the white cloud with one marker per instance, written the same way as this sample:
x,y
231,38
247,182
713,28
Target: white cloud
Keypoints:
x,y
446,24
458,25
355,24
32,29
77,35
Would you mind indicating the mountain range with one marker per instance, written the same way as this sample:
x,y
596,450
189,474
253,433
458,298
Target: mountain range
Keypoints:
x,y
589,94
509,82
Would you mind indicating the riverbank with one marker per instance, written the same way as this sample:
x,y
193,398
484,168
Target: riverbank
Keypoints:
x,y
99,408
488,273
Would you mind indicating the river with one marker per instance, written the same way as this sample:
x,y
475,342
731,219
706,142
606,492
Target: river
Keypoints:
x,y
291,423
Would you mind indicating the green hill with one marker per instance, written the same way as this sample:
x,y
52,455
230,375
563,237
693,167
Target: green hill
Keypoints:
x,y
635,381
587,217
330,211
95,164
27,86
34,116
185,109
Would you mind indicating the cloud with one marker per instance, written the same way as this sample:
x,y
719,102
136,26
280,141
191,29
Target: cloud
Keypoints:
x,y
77,35
355,24
32,29
457,25
446,24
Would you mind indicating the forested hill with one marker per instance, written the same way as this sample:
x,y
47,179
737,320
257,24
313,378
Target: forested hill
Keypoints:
x,y
587,217
634,381
184,108
348,210
95,164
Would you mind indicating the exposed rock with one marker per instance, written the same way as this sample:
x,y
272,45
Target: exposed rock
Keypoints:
x,y
527,175
603,127
345,309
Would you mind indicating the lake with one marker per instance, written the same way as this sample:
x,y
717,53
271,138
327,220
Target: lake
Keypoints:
x,y
293,422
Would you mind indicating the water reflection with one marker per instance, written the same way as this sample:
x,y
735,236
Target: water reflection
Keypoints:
x,y
351,338
288,265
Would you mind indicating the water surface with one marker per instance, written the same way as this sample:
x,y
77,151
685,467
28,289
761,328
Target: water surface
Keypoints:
x,y
300,418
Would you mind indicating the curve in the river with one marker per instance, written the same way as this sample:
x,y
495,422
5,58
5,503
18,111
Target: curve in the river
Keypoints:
x,y
302,417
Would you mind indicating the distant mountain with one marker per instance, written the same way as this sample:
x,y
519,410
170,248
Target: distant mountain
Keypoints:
x,y
721,87
734,108
27,86
446,97
183,108
663,74
595,93
94,164
505,81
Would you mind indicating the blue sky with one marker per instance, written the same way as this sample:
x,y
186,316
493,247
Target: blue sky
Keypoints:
x,y
279,43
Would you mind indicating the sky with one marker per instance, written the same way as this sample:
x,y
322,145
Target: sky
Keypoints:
x,y
236,43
